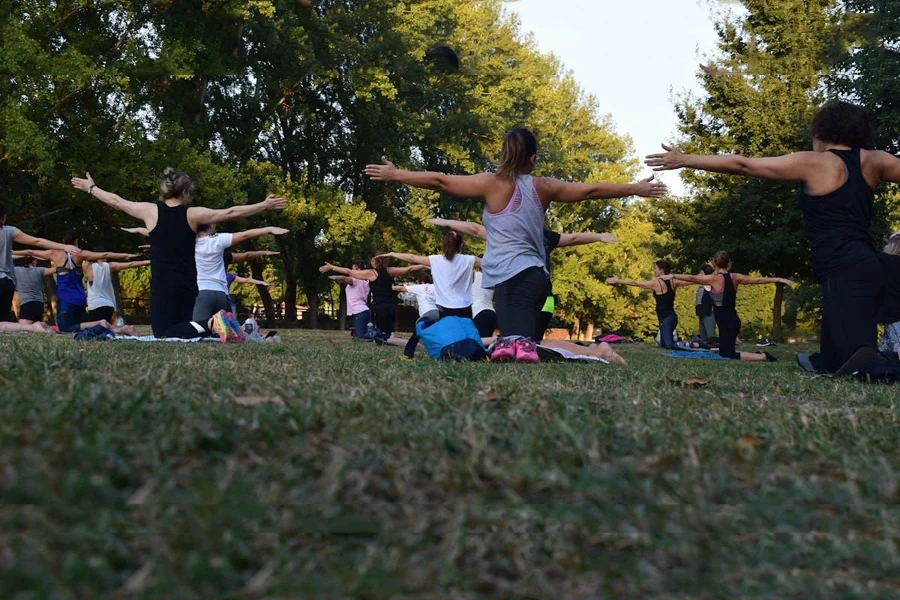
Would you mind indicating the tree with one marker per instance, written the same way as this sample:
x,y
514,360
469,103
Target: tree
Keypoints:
x,y
762,90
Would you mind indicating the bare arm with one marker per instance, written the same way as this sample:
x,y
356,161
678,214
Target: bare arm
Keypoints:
x,y
49,271
137,230
198,215
144,211
647,285
95,256
477,262
461,186
889,166
23,238
41,254
252,281
364,275
800,166
748,280
697,279
252,234
475,230
554,190
409,258
117,266
240,257
580,239
401,271
399,288
342,280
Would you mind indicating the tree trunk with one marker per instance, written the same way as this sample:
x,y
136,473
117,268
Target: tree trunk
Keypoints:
x,y
256,269
576,329
313,313
290,297
342,310
777,308
589,332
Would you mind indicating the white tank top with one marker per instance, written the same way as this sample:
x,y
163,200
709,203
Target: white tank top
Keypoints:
x,y
100,291
452,280
515,236
482,299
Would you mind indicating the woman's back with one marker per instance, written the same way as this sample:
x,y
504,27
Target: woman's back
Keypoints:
x,y
452,280
515,235
172,248
382,289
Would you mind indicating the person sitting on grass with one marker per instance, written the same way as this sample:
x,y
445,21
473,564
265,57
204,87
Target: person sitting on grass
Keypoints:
x,y
30,287
357,293
664,294
724,286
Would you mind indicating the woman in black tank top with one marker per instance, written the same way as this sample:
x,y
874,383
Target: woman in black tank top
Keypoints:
x,y
837,181
724,296
172,227
664,295
381,285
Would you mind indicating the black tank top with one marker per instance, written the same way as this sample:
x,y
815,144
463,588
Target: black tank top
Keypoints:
x,y
727,299
665,303
172,249
838,223
382,289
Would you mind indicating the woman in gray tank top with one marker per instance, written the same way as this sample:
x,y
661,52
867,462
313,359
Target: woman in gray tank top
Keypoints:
x,y
30,288
514,207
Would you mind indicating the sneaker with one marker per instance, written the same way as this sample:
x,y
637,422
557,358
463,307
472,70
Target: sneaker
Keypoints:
x,y
769,357
221,327
504,350
526,351
765,342
238,334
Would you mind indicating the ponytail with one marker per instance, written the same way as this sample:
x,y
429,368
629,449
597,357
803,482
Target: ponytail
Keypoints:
x,y
452,244
174,184
519,146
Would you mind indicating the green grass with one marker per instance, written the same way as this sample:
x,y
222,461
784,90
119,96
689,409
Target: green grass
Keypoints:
x,y
127,470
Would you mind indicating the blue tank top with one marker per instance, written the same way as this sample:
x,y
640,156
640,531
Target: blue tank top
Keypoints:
x,y
69,283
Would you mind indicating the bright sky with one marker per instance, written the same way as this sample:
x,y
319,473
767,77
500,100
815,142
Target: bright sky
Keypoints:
x,y
631,54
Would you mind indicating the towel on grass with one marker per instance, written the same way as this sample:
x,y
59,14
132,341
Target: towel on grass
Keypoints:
x,y
696,354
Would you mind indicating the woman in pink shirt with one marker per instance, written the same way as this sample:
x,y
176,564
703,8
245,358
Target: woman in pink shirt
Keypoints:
x,y
357,291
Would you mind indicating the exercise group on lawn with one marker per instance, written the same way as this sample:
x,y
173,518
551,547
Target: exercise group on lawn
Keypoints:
x,y
507,292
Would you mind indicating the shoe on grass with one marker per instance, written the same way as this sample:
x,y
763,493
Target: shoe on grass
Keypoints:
x,y
526,351
504,350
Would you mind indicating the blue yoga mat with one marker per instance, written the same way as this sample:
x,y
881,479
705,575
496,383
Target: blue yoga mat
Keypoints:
x,y
697,354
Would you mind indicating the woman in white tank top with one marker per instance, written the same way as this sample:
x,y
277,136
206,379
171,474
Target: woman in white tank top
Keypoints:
x,y
452,274
514,206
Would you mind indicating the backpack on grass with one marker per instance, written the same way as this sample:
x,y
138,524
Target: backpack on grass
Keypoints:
x,y
451,338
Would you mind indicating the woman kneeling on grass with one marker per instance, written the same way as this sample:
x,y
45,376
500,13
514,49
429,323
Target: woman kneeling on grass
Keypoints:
x,y
724,286
513,217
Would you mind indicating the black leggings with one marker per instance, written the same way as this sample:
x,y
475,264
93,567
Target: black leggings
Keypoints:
x,y
7,289
383,318
543,323
171,306
667,326
465,313
486,322
850,305
104,313
729,324
187,331
519,301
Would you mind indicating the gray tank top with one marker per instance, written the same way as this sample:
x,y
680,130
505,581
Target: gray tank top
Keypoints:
x,y
30,284
7,267
100,291
515,236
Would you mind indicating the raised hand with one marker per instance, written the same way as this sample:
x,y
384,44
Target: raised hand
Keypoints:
x,y
278,231
383,172
788,282
83,184
612,280
437,222
275,203
327,267
271,253
608,238
648,188
666,161
386,255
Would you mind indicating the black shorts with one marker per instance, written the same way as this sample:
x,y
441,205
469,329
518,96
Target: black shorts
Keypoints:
x,y
32,311
104,313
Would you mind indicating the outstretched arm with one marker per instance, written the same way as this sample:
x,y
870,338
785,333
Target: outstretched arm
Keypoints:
x,y
40,254
401,271
364,275
697,279
554,190
647,285
580,239
95,256
252,234
475,230
23,238
748,280
342,280
117,266
800,166
198,215
137,230
252,281
462,186
890,166
239,257
399,288
144,211
409,258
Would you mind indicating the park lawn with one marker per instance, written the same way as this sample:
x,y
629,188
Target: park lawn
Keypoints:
x,y
382,478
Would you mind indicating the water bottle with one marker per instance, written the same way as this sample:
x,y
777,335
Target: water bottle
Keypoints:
x,y
370,331
120,322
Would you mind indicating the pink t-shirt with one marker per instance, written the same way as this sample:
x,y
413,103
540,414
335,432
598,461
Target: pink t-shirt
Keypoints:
x,y
357,294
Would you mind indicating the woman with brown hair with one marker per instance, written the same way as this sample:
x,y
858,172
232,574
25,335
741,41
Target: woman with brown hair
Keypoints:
x,y
452,273
172,226
724,286
513,217
381,284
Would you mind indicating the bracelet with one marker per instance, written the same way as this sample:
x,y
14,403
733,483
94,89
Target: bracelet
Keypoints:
x,y
91,189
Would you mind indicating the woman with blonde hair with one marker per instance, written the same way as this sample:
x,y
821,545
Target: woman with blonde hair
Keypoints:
x,y
513,218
